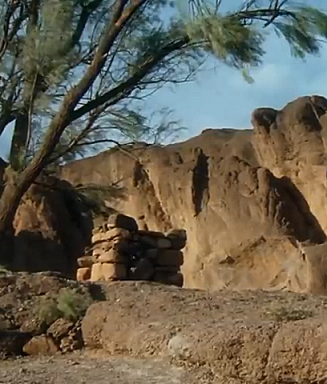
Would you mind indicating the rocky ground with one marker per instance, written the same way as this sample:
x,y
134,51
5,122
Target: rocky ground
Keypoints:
x,y
244,337
143,332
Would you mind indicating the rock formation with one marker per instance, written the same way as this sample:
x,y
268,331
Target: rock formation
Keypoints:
x,y
37,313
120,251
253,202
222,337
51,229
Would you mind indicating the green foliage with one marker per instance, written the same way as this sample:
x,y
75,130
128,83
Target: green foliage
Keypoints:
x,y
237,37
46,45
73,304
55,43
304,30
70,304
48,311
229,39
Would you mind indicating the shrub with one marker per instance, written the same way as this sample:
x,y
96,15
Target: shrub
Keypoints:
x,y
47,310
70,304
73,303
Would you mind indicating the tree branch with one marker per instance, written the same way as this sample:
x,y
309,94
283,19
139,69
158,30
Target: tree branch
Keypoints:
x,y
127,86
121,15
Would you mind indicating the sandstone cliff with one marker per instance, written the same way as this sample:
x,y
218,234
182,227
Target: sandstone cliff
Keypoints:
x,y
253,202
51,230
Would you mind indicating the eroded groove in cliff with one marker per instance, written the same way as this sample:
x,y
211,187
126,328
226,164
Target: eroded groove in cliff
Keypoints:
x,y
200,182
142,180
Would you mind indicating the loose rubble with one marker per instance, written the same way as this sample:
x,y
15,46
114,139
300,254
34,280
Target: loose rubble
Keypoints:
x,y
31,322
122,251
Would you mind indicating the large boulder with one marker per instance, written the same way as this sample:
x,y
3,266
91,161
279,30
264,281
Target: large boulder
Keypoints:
x,y
51,229
32,311
252,201
251,337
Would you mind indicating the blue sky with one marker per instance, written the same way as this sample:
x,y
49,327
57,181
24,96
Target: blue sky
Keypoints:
x,y
222,98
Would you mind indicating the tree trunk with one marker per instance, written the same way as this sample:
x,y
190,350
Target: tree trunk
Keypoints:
x,y
9,203
15,187
19,140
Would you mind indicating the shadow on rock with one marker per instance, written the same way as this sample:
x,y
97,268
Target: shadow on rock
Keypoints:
x,y
311,229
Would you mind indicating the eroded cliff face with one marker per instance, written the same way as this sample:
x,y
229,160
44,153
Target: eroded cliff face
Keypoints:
x,y
253,202
50,229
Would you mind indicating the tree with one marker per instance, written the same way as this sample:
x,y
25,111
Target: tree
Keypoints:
x,y
74,70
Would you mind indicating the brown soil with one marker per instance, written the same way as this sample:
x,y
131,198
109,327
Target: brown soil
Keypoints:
x,y
84,367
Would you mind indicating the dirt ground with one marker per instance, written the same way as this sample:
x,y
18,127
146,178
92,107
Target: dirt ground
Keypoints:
x,y
146,333
93,368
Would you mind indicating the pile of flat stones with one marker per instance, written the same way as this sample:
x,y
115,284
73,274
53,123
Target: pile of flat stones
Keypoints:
x,y
122,251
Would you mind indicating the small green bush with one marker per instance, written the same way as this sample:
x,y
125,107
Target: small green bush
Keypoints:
x,y
48,311
69,304
73,304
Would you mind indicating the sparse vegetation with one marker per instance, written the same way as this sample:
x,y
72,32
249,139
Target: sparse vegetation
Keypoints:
x,y
73,304
290,314
48,311
70,304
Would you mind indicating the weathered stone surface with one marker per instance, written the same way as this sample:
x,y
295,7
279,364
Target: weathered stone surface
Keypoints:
x,y
252,337
122,245
141,223
247,199
177,232
83,274
164,243
108,272
170,257
99,248
85,261
177,243
60,328
122,221
98,238
32,325
148,241
41,345
112,256
97,230
143,270
151,253
51,229
73,339
154,234
111,234
69,344
178,238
